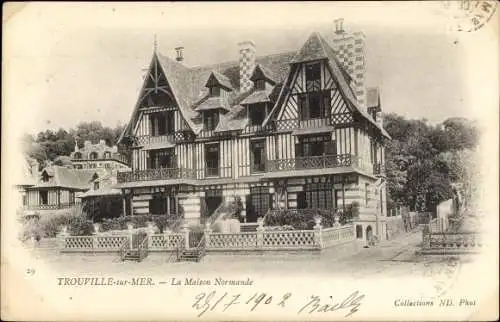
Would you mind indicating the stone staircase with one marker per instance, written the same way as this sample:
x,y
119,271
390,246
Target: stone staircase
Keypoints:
x,y
190,255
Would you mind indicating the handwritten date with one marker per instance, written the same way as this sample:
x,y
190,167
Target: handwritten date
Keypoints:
x,y
211,301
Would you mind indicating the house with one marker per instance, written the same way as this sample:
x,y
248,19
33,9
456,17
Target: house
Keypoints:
x,y
58,187
100,155
293,130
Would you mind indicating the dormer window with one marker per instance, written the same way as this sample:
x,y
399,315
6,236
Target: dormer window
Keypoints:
x,y
77,155
313,77
260,84
214,91
210,120
257,113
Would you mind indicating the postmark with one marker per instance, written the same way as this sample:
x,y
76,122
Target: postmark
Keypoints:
x,y
470,15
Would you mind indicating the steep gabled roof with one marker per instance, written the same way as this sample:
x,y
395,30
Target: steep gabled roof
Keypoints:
x,y
234,120
316,48
218,78
212,103
261,72
313,49
68,178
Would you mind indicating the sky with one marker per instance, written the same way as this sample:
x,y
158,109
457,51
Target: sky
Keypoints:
x,y
66,63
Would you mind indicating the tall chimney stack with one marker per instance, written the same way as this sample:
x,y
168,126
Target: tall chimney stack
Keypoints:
x,y
180,54
350,50
247,64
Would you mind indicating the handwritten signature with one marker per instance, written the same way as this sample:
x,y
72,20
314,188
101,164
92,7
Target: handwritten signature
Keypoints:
x,y
211,301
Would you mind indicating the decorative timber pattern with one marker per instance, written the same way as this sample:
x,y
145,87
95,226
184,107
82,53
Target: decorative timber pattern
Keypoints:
x,y
313,162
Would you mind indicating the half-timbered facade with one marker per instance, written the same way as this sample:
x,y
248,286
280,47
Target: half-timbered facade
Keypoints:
x,y
291,130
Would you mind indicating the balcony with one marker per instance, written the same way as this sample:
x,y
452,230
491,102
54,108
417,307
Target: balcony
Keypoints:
x,y
49,206
258,129
315,162
292,124
150,139
178,136
156,174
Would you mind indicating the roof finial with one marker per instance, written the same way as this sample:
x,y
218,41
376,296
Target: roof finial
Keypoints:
x,y
155,43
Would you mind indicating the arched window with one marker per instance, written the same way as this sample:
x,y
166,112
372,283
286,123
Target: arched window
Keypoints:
x,y
107,155
93,155
77,155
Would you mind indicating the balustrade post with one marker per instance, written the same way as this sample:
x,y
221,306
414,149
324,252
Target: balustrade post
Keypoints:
x,y
62,237
260,232
318,229
130,228
208,232
185,231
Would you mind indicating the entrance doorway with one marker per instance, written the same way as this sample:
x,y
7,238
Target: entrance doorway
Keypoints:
x,y
369,233
212,202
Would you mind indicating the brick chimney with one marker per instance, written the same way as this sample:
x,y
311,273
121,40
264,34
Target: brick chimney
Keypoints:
x,y
247,64
350,51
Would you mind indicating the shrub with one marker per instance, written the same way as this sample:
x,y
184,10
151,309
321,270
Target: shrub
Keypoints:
x,y
304,218
31,228
139,221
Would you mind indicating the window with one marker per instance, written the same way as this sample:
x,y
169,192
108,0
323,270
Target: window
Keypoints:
x,y
164,158
162,123
212,159
316,196
260,84
96,185
158,205
259,204
44,197
257,113
78,166
258,156
93,156
71,198
366,194
107,155
25,200
214,91
313,72
77,155
45,177
315,146
314,105
210,120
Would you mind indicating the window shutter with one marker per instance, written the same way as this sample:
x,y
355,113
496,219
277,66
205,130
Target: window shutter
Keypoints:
x,y
298,150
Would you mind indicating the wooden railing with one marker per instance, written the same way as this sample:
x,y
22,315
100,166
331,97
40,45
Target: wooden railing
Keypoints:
x,y
124,248
296,123
156,174
49,206
143,248
257,129
313,162
149,139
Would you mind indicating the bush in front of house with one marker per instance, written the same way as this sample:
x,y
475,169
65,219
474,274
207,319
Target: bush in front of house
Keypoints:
x,y
163,222
304,219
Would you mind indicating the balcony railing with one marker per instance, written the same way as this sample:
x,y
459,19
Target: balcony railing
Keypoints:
x,y
49,206
313,162
291,124
156,174
256,129
150,139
